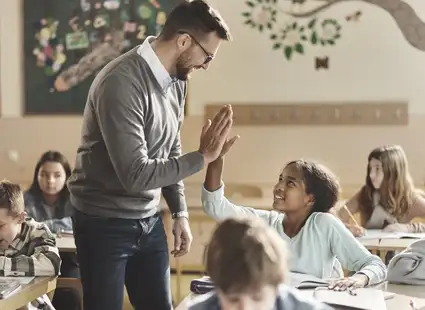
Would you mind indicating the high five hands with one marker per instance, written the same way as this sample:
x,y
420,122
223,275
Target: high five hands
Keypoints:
x,y
214,144
215,141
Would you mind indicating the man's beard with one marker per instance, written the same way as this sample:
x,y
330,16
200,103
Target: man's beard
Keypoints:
x,y
183,69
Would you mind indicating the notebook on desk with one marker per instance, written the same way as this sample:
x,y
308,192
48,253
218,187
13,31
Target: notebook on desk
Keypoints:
x,y
305,281
365,299
8,286
379,234
21,280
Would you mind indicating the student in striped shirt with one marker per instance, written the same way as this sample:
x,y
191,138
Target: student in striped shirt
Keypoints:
x,y
27,248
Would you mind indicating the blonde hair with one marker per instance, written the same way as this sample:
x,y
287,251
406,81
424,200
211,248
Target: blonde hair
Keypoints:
x,y
397,190
11,198
245,254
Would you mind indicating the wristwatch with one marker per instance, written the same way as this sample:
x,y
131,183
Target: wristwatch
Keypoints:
x,y
180,214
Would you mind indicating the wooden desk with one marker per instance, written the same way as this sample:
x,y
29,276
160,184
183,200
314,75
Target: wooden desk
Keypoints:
x,y
404,293
417,291
66,243
36,288
385,245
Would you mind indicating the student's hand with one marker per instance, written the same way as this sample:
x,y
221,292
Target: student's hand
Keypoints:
x,y
182,237
228,145
357,231
355,281
214,134
403,228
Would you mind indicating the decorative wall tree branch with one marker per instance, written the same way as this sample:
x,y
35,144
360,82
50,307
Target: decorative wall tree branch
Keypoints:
x,y
308,28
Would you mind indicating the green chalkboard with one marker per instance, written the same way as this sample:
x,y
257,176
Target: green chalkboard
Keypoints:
x,y
66,42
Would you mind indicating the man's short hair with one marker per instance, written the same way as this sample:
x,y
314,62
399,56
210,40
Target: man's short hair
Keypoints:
x,y
196,17
245,254
11,198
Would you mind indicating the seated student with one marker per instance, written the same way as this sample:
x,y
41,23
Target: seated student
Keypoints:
x,y
389,199
47,201
27,248
318,241
408,267
247,262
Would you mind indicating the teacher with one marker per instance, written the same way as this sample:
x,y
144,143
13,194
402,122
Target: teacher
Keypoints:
x,y
130,153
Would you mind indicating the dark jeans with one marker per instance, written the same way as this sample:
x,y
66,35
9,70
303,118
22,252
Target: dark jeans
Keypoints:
x,y
113,252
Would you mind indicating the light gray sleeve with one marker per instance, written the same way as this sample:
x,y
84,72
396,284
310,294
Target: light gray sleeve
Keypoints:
x,y
353,255
219,207
119,108
408,267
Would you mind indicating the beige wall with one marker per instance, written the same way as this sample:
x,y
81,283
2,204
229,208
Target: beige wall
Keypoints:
x,y
372,61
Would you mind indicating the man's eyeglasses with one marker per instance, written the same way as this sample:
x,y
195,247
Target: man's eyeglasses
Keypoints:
x,y
209,56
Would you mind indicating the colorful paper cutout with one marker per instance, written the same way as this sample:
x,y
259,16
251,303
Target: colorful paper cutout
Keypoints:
x,y
77,40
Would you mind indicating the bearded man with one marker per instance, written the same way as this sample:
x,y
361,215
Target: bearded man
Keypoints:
x,y
130,154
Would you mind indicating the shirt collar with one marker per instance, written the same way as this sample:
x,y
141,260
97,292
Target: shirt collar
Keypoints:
x,y
161,74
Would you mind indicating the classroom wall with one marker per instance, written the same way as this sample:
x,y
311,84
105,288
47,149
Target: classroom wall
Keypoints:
x,y
371,61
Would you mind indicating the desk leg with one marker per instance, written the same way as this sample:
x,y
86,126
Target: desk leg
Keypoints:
x,y
178,279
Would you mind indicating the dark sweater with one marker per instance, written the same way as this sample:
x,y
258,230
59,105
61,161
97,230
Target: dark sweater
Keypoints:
x,y
130,144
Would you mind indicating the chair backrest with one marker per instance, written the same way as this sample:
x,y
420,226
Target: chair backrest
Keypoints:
x,y
243,190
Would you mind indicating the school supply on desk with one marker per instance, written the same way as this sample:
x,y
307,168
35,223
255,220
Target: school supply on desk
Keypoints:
x,y
305,281
8,286
379,234
350,215
63,233
358,299
202,285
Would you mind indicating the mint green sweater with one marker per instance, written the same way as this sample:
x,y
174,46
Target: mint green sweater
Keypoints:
x,y
323,243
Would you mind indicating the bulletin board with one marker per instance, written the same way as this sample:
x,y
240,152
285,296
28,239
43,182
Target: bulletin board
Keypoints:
x,y
67,42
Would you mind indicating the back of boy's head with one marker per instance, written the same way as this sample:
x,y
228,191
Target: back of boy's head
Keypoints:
x,y
11,198
321,182
244,255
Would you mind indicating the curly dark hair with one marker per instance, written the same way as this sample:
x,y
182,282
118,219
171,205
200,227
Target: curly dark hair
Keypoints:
x,y
320,182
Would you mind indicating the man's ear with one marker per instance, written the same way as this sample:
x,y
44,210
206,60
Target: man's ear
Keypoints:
x,y
183,41
22,216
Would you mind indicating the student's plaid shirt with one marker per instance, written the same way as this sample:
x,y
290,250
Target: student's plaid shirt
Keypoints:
x,y
32,253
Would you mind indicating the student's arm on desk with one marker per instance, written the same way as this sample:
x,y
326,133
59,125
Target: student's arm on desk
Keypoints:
x,y
41,259
56,225
418,210
215,204
351,254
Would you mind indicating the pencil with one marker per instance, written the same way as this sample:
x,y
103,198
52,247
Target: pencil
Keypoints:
x,y
351,215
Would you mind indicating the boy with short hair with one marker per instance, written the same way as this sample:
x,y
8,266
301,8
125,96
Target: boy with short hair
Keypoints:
x,y
27,248
247,262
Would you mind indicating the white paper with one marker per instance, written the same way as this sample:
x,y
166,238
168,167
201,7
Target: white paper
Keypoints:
x,y
379,234
22,280
366,298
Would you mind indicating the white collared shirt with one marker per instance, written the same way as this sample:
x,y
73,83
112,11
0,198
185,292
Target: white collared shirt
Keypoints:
x,y
161,74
